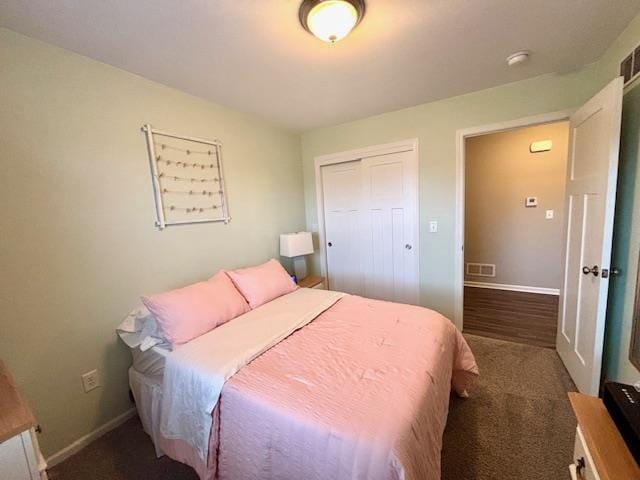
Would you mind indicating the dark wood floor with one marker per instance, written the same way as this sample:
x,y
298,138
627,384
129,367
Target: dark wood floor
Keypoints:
x,y
529,318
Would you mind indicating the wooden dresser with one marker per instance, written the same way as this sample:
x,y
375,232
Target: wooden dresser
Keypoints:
x,y
20,457
600,452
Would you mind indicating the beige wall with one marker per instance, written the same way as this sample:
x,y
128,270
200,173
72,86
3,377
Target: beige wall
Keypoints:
x,y
500,172
78,245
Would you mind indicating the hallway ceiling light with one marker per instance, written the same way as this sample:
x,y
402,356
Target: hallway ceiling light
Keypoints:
x,y
518,58
331,20
541,146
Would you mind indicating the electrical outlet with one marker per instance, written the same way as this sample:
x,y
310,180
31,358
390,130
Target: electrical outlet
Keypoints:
x,y
90,380
549,214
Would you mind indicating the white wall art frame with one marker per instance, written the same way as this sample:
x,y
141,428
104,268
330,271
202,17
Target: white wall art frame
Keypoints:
x,y
187,177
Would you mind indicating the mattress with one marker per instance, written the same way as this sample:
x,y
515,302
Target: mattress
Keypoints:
x,y
150,362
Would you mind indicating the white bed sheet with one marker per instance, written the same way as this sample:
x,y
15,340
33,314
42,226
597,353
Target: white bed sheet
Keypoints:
x,y
150,362
147,392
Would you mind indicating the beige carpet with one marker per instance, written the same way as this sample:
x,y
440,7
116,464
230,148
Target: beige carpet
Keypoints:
x,y
516,425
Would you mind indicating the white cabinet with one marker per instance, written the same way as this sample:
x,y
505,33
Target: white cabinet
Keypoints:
x,y
18,458
583,467
600,452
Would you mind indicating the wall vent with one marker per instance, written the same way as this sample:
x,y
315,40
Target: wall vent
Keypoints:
x,y
481,269
630,66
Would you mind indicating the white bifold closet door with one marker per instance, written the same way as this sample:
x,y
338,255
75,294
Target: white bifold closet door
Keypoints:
x,y
371,226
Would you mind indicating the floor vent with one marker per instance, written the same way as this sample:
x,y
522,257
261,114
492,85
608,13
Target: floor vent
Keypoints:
x,y
481,269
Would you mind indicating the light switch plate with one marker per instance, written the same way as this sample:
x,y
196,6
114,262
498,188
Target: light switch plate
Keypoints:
x,y
549,214
90,380
433,226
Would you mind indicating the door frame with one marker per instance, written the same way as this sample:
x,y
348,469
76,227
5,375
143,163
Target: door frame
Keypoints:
x,y
409,145
461,136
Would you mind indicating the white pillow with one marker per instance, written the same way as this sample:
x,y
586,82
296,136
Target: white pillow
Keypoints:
x,y
140,329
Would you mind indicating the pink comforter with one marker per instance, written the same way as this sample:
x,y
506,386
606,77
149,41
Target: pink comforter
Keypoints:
x,y
362,392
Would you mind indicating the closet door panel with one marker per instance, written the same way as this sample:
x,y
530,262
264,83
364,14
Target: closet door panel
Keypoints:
x,y
390,215
342,191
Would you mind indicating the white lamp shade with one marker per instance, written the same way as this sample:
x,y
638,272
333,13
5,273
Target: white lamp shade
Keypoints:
x,y
296,244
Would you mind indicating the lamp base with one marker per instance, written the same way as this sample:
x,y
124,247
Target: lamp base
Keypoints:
x,y
300,267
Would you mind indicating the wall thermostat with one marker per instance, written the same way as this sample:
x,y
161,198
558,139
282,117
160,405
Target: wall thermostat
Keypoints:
x,y
531,202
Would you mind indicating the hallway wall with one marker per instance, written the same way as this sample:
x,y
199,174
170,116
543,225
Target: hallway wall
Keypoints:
x,y
500,172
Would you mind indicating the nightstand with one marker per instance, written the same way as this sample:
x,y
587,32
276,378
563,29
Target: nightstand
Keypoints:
x,y
313,282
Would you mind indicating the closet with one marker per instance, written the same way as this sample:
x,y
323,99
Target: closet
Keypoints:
x,y
369,208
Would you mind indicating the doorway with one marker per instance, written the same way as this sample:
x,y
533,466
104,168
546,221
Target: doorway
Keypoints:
x,y
461,138
590,197
514,197
368,221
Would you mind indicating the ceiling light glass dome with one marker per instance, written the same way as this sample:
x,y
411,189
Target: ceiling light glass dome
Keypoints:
x,y
331,20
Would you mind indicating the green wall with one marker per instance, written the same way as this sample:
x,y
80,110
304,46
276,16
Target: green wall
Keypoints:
x,y
435,125
626,240
78,241
626,245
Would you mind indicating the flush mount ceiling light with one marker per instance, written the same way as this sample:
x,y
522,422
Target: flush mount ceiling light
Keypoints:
x,y
331,20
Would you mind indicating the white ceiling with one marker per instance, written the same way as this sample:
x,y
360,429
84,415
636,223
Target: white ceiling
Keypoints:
x,y
254,56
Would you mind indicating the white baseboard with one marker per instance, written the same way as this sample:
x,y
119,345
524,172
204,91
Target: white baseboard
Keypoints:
x,y
513,288
82,442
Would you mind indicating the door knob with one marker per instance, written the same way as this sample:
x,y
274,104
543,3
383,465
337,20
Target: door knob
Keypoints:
x,y
330,244
594,270
408,247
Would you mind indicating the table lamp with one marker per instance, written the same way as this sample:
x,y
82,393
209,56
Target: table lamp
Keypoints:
x,y
296,246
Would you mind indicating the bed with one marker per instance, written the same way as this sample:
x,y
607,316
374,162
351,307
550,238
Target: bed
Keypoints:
x,y
311,385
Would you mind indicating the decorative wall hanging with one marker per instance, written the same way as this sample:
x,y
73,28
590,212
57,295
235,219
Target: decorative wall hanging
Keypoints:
x,y
188,180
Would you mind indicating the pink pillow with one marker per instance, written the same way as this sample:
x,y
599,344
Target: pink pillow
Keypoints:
x,y
262,283
187,313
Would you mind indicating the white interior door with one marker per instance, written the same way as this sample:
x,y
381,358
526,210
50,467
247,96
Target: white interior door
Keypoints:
x,y
591,190
342,189
390,191
371,226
